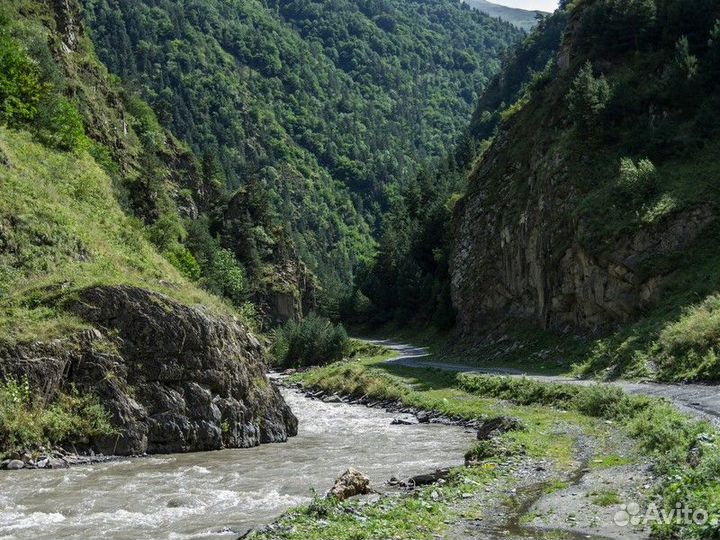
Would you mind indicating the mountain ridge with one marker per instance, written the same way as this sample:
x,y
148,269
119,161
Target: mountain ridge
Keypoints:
x,y
522,18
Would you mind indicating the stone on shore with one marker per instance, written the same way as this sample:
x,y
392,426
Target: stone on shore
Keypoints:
x,y
351,483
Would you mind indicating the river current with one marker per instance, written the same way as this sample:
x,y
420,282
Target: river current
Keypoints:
x,y
217,495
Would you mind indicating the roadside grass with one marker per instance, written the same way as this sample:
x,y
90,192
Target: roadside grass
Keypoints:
x,y
606,497
547,410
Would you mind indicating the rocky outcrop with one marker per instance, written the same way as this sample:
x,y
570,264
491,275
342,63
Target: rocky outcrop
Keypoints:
x,y
174,378
553,228
285,288
521,247
529,263
291,294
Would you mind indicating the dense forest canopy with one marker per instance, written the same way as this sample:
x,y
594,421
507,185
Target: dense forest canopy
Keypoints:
x,y
322,104
409,278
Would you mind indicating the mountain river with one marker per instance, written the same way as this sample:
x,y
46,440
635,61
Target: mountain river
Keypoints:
x,y
215,495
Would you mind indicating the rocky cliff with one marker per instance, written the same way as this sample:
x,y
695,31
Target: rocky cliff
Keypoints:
x,y
580,218
174,378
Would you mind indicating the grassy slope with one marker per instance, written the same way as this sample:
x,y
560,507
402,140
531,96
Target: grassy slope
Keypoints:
x,y
657,429
61,229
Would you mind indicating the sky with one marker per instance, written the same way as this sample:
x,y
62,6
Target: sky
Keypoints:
x,y
542,5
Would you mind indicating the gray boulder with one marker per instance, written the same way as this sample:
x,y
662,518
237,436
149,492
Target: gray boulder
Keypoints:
x,y
174,378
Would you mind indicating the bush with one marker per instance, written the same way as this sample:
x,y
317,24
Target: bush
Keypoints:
x,y
181,258
312,341
226,277
636,181
20,86
60,124
26,422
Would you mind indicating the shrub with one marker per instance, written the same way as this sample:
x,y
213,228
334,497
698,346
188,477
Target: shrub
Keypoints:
x,y
636,182
181,258
20,86
686,64
312,341
226,277
60,124
26,422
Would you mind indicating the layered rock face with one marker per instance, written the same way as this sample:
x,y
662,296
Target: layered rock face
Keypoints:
x,y
174,378
518,251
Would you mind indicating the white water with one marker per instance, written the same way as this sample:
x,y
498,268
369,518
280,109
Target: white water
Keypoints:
x,y
221,494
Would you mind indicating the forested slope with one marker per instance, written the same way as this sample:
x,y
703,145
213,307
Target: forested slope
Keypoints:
x,y
321,104
409,278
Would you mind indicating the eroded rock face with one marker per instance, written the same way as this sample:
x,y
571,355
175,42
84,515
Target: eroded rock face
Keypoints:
x,y
517,251
174,378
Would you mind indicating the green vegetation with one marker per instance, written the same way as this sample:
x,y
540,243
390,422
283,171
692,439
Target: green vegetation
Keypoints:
x,y
588,96
312,341
409,278
63,230
31,98
321,105
606,497
26,422
661,432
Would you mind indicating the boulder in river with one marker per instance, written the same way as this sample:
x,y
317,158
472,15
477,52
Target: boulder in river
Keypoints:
x,y
404,421
351,483
174,378
14,464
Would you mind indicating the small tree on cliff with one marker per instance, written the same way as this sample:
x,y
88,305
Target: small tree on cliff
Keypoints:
x,y
588,96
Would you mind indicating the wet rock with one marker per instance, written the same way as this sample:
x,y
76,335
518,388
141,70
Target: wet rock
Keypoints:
x,y
494,427
404,421
15,464
423,417
351,483
427,479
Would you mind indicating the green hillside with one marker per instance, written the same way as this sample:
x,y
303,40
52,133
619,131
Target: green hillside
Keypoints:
x,y
323,104
70,181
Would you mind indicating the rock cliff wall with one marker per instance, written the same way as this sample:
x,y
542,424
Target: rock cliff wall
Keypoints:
x,y
526,246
